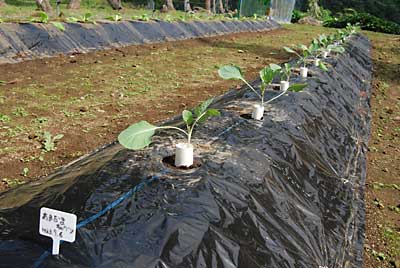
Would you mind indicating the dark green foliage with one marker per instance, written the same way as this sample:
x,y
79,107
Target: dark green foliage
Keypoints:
x,y
385,9
365,21
297,15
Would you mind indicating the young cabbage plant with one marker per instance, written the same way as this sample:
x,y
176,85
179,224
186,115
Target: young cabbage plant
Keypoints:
x,y
267,76
303,55
139,135
43,17
284,85
86,18
306,52
285,72
116,17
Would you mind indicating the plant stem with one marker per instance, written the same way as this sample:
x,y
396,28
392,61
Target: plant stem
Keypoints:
x,y
176,128
274,98
255,91
190,131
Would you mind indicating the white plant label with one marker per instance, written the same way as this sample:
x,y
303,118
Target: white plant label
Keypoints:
x,y
58,225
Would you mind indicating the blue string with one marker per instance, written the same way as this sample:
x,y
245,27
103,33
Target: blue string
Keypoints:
x,y
94,217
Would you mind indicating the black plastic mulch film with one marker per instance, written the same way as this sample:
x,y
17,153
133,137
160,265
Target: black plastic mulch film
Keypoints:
x,y
21,41
284,192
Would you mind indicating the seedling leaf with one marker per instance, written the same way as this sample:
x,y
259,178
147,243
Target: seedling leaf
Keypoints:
x,y
289,50
267,75
208,114
58,25
297,87
137,136
230,72
275,67
202,107
323,66
187,117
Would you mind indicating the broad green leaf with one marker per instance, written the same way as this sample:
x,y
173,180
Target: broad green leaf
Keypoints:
x,y
230,72
208,114
202,107
267,75
297,87
337,49
58,25
213,112
137,136
322,66
187,117
289,50
44,18
87,16
275,67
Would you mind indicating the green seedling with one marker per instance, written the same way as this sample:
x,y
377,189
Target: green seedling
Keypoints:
x,y
43,17
58,25
139,135
143,17
4,118
326,43
379,256
286,72
49,142
267,75
86,18
20,111
306,52
25,172
12,182
116,17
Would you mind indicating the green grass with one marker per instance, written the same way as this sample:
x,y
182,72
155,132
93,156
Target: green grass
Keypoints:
x,y
25,10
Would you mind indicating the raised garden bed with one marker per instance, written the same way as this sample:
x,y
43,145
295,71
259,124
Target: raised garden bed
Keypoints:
x,y
21,41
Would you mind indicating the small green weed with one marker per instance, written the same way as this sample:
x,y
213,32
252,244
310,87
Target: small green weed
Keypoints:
x,y
49,141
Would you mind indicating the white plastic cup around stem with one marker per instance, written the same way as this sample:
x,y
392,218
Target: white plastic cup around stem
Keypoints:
x,y
316,62
56,247
284,85
303,72
258,112
183,155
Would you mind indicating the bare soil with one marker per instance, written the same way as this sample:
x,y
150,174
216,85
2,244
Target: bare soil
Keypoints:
x,y
382,198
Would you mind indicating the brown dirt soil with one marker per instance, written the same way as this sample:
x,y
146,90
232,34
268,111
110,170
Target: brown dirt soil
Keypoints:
x,y
382,197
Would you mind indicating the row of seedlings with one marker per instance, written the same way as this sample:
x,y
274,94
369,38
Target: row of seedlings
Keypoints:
x,y
139,135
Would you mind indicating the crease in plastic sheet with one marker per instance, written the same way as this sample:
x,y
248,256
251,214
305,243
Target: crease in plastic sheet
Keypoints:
x,y
21,41
285,192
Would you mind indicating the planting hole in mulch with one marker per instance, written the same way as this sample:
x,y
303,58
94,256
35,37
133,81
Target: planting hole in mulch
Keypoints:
x,y
248,117
169,162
